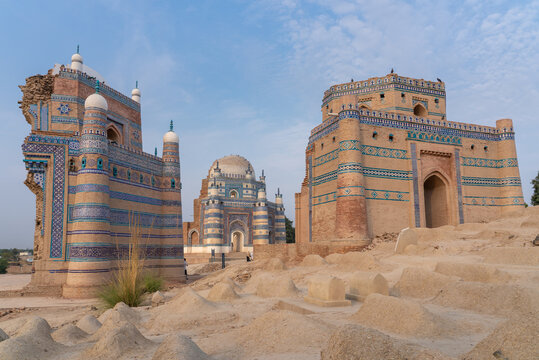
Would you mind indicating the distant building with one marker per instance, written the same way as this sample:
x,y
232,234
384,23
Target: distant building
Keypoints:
x,y
91,178
232,212
385,157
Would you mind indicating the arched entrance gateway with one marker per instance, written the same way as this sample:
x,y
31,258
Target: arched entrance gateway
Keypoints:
x,y
436,203
237,241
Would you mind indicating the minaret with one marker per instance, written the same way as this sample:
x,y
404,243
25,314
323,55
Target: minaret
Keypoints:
x,y
76,61
213,218
280,225
135,93
260,219
249,172
351,222
262,177
171,196
91,204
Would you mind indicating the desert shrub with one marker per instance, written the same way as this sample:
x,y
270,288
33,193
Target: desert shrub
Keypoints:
x,y
152,283
127,284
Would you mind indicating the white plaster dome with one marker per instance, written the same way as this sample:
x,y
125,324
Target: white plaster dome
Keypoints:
x,y
171,136
233,166
96,101
135,92
76,58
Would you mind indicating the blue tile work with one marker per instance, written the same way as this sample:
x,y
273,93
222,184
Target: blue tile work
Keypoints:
x,y
332,155
32,109
491,182
415,175
387,173
459,186
122,195
387,195
64,109
434,138
56,147
83,252
367,150
493,200
489,163
44,116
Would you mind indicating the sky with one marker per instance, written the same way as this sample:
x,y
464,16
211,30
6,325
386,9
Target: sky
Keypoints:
x,y
247,77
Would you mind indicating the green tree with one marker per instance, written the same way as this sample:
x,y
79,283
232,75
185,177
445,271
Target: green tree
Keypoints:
x,y
535,196
290,231
3,266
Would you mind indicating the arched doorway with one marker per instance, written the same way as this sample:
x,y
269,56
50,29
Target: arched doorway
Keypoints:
x,y
192,239
113,135
419,110
236,241
436,204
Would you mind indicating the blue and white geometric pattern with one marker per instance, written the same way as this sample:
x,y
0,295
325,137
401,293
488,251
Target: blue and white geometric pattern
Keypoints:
x,y
64,109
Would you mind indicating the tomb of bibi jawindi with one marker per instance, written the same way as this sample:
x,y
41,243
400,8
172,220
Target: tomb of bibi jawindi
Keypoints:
x,y
385,157
91,178
232,212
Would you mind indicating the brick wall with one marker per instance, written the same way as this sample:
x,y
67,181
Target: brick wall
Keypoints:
x,y
296,252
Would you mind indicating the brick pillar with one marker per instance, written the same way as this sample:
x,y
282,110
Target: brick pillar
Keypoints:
x,y
351,223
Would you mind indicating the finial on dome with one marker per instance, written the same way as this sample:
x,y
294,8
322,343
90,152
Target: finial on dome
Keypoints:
x,y
171,125
77,48
97,88
217,166
156,151
278,191
136,84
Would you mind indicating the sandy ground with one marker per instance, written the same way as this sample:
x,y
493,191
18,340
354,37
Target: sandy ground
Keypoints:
x,y
14,282
465,292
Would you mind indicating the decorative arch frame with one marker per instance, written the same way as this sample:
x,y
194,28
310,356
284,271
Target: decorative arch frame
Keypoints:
x,y
117,134
451,211
423,110
190,236
238,225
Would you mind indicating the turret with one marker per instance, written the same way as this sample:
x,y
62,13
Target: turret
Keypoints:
x,y
249,172
262,177
93,205
171,157
77,61
280,225
135,93
260,220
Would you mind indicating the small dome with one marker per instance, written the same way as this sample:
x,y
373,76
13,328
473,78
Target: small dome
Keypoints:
x,y
135,92
97,101
171,136
76,58
233,166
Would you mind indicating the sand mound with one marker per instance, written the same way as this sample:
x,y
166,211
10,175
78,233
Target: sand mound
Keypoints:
x,y
69,335
399,316
118,341
355,342
313,260
530,222
515,339
272,332
185,311
472,272
334,258
204,268
3,335
358,260
188,301
179,347
89,324
421,283
274,264
276,287
33,342
222,292
158,298
120,312
512,255
484,298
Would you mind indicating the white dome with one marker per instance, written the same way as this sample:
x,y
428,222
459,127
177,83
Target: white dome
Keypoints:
x,y
135,92
97,101
76,58
171,136
233,165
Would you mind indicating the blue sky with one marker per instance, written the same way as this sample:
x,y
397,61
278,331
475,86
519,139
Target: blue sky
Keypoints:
x,y
246,77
